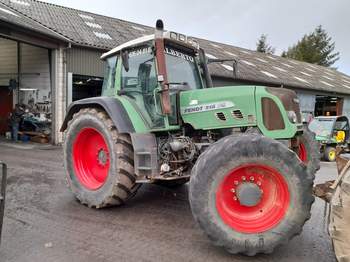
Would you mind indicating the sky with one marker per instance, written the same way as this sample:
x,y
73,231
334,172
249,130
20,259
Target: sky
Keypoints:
x,y
236,22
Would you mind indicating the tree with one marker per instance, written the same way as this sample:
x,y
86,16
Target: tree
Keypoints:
x,y
316,48
263,47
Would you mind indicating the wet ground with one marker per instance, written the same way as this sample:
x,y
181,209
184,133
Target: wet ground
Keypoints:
x,y
43,222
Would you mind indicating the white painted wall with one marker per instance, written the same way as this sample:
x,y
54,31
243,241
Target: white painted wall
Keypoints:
x,y
59,84
35,60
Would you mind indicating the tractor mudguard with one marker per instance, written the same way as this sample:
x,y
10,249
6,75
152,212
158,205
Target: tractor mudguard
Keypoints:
x,y
113,107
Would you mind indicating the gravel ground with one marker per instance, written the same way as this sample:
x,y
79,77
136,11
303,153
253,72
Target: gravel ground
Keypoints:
x,y
43,222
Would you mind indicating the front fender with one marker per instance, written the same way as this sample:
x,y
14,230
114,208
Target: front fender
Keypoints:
x,y
113,107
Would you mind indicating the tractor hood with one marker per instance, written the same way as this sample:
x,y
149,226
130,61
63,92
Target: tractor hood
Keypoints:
x,y
274,111
219,107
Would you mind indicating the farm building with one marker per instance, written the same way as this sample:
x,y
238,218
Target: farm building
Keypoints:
x,y
50,56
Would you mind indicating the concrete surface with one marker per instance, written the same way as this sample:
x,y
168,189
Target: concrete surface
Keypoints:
x,y
43,222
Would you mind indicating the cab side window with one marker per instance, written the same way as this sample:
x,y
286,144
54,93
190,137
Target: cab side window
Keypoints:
x,y
109,77
139,83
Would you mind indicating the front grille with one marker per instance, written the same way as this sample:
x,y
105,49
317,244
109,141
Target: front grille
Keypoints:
x,y
221,116
237,114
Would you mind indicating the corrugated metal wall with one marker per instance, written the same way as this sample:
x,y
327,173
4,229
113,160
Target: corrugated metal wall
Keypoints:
x,y
346,107
82,61
307,102
8,61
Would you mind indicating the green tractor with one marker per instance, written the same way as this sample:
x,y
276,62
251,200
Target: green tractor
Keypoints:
x,y
159,120
331,132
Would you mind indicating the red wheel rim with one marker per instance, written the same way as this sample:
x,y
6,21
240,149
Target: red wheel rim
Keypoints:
x,y
91,158
302,153
269,210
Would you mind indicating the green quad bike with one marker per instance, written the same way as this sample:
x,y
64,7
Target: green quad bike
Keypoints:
x,y
331,131
159,120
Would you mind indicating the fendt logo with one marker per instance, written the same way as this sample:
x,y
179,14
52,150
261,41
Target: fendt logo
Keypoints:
x,y
207,107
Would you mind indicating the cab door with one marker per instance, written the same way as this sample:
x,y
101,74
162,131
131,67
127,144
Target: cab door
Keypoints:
x,y
139,84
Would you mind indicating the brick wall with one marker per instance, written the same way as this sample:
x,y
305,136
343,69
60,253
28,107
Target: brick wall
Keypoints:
x,y
59,81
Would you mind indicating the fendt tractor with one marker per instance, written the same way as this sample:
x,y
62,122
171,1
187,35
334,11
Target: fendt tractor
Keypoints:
x,y
160,120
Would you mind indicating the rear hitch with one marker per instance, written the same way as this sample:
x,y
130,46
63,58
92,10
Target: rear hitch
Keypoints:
x,y
3,177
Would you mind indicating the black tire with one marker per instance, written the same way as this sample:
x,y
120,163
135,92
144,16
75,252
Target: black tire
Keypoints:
x,y
329,154
172,183
119,185
312,148
231,152
339,217
253,130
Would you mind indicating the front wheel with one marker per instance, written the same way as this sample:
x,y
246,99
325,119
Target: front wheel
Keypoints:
x,y
250,194
98,160
329,154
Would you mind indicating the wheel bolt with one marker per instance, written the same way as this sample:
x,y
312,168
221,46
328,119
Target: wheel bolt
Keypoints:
x,y
236,182
243,178
235,198
259,183
233,190
251,178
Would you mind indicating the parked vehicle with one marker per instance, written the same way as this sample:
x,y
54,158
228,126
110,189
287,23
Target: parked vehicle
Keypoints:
x,y
331,131
160,121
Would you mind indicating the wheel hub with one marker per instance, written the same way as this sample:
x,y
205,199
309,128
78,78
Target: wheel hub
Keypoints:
x,y
102,157
249,194
252,198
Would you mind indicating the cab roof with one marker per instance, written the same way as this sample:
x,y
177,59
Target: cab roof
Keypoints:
x,y
131,43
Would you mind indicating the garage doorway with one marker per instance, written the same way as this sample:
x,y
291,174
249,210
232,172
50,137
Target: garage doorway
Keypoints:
x,y
28,66
328,106
86,86
6,105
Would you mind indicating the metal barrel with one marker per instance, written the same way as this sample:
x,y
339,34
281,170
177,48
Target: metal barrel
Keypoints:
x,y
3,177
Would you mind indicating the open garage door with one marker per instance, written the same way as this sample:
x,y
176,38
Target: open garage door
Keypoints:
x,y
28,66
328,106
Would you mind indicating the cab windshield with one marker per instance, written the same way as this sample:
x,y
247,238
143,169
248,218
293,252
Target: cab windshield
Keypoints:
x,y
322,127
182,68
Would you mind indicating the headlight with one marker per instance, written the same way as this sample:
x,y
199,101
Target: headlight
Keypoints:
x,y
292,116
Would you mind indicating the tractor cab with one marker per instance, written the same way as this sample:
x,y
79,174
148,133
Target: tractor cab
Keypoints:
x,y
152,70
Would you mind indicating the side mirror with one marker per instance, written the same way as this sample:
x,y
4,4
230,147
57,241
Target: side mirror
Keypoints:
x,y
12,84
125,60
234,64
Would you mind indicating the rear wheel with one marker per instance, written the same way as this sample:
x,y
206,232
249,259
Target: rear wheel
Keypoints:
x,y
98,160
309,151
329,154
250,194
339,228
